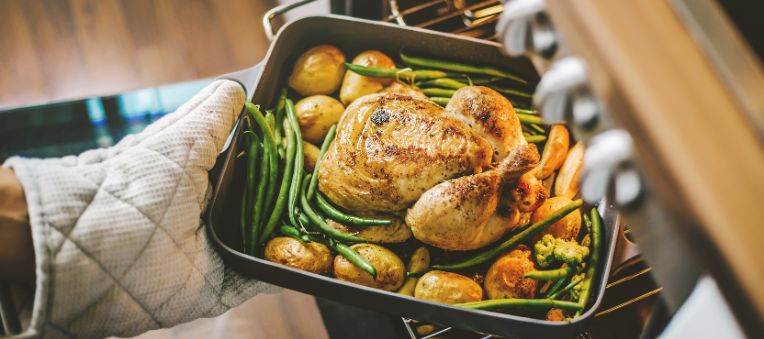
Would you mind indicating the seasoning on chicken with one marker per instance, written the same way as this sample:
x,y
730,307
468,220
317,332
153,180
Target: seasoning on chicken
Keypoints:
x,y
461,214
391,148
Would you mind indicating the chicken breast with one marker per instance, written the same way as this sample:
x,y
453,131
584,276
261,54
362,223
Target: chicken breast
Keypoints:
x,y
491,115
461,214
391,148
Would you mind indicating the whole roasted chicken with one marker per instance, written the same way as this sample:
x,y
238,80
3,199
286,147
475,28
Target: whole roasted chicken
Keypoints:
x,y
441,169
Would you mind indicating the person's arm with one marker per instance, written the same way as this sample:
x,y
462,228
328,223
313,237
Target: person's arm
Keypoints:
x,y
16,251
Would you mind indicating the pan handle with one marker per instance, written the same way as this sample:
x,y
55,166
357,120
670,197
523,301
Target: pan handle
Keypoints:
x,y
247,78
278,10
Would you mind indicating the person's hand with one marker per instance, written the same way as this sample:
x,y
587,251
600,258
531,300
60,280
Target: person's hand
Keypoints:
x,y
116,231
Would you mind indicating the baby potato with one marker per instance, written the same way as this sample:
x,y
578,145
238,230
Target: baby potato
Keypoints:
x,y
390,269
505,276
318,71
448,288
355,85
311,153
317,113
312,256
565,228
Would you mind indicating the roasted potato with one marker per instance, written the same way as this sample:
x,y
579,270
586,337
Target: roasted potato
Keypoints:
x,y
569,178
420,260
318,71
505,276
390,269
355,85
317,113
312,256
529,193
565,228
447,287
311,153
555,314
555,151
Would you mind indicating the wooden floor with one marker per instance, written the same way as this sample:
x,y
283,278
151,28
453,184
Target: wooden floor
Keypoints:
x,y
52,50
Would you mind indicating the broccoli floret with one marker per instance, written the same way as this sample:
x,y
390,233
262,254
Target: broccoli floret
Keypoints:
x,y
575,292
544,250
569,251
550,249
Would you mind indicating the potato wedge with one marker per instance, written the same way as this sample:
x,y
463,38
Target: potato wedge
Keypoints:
x,y
569,178
555,150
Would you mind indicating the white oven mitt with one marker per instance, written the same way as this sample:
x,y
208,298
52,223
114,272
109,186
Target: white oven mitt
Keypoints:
x,y
118,246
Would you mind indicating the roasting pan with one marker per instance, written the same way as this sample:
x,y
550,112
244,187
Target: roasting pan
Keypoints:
x,y
352,35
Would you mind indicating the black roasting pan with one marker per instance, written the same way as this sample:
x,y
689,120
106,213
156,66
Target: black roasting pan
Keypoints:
x,y
352,35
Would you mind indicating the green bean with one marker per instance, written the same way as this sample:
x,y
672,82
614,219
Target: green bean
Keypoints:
x,y
317,220
325,146
537,128
535,139
458,67
259,201
440,100
299,157
526,111
395,73
544,275
268,161
594,260
279,119
556,287
500,304
483,81
515,240
438,92
273,172
282,197
530,119
291,231
355,258
349,220
444,83
567,287
512,92
246,203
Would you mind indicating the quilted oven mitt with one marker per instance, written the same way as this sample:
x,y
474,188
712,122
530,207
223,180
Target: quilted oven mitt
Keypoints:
x,y
116,231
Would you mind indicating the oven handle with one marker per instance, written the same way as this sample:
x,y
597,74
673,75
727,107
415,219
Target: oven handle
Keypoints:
x,y
276,11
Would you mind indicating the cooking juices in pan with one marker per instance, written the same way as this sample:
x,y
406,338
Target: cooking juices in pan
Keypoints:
x,y
423,176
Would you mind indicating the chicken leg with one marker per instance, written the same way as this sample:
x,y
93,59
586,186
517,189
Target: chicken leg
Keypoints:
x,y
461,213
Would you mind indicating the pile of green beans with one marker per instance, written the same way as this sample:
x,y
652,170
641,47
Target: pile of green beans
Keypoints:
x,y
396,73
421,62
594,260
